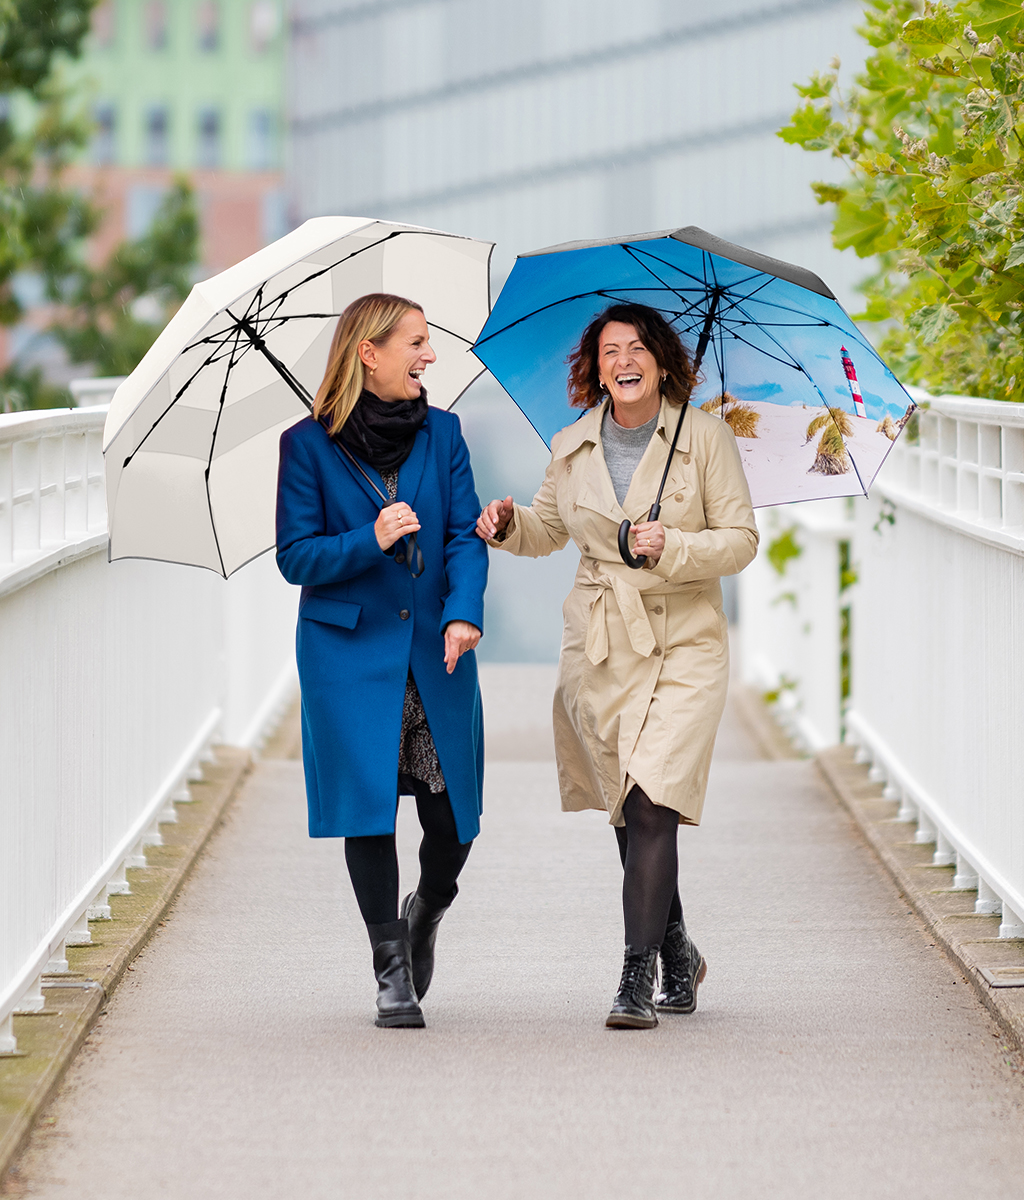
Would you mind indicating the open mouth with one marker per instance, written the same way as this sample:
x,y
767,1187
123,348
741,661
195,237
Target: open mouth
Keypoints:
x,y
628,380
417,373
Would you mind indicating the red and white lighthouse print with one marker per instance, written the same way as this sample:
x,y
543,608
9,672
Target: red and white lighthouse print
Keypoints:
x,y
851,379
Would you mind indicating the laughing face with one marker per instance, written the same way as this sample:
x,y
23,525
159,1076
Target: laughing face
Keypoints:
x,y
629,373
392,369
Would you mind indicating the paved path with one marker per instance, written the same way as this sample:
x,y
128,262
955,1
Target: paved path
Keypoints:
x,y
835,1054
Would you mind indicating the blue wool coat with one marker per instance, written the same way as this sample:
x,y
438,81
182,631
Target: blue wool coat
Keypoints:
x,y
364,622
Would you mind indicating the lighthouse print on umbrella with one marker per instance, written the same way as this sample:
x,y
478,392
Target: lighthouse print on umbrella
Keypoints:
x,y
851,375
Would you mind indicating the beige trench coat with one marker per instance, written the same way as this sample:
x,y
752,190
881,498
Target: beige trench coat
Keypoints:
x,y
644,664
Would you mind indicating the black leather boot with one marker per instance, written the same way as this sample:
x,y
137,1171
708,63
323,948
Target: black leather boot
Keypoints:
x,y
682,969
633,1006
392,964
423,918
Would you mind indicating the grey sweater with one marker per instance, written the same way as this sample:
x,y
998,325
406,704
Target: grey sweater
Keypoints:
x,y
623,450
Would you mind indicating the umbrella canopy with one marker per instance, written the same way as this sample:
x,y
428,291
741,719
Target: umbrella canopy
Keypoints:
x,y
191,439
813,407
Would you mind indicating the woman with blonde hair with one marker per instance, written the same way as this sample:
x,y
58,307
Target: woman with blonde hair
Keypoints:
x,y
375,519
645,659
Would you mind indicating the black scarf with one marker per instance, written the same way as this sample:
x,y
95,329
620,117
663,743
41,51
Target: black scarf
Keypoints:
x,y
382,432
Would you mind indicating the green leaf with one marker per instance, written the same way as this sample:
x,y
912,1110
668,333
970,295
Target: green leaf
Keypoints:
x,y
828,193
860,227
1016,256
928,31
932,321
808,124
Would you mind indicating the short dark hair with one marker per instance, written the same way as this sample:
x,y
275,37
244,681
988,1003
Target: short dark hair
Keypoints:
x,y
656,334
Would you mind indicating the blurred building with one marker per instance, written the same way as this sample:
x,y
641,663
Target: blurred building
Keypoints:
x,y
191,86
543,121
178,86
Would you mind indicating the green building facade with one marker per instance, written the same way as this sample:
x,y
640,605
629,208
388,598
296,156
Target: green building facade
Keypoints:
x,y
186,84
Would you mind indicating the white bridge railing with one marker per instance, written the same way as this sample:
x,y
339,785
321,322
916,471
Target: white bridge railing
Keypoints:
x,y
916,597
115,680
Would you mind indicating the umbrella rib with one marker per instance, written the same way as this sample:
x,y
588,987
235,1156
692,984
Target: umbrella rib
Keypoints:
x,y
682,271
664,283
209,460
177,396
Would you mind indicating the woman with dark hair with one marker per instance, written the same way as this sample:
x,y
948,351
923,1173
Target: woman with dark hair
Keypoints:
x,y
375,516
644,664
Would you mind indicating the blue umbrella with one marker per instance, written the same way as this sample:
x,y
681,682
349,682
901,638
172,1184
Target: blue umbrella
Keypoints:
x,y
814,409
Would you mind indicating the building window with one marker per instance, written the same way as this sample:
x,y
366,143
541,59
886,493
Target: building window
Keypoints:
x,y
157,139
208,20
104,24
142,204
155,25
208,154
104,146
261,150
264,24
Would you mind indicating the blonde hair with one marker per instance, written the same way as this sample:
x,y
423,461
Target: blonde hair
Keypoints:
x,y
371,318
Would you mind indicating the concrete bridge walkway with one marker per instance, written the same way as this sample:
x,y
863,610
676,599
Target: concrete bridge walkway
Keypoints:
x,y
835,1054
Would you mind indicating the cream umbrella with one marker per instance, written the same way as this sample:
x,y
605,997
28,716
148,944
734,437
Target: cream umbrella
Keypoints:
x,y
191,439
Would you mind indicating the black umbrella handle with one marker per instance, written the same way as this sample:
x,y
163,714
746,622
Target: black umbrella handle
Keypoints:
x,y
631,560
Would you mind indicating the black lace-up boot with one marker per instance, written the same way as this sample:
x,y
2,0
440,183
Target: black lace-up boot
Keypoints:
x,y
392,964
682,969
633,1006
423,918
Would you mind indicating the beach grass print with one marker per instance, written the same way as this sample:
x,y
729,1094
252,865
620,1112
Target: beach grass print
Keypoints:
x,y
741,418
831,457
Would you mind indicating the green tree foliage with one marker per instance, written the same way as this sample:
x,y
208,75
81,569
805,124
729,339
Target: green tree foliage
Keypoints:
x,y
115,313
931,133
105,315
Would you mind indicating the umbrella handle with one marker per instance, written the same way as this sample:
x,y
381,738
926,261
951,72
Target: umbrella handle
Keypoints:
x,y
627,555
631,560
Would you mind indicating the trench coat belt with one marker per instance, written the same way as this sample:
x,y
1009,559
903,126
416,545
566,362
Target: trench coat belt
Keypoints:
x,y
634,616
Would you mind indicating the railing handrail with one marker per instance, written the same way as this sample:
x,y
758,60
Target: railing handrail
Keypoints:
x,y
999,412
37,422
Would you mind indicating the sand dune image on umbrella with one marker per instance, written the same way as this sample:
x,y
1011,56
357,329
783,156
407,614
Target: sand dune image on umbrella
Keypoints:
x,y
741,418
191,438
831,457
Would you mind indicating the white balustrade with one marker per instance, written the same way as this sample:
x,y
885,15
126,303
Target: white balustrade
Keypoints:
x,y
115,680
791,618
937,638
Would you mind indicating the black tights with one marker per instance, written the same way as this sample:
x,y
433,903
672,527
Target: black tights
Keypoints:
x,y
373,861
650,880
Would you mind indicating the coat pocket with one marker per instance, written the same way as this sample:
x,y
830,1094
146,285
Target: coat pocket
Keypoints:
x,y
330,612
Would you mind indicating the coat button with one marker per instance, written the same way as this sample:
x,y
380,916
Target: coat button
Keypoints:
x,y
686,460
679,497
568,468
399,558
574,507
586,548
657,652
404,614
658,609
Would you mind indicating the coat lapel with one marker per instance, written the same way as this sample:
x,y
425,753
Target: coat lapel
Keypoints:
x,y
596,491
353,472
411,471
643,487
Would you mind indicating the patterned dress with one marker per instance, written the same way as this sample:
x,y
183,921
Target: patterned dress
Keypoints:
x,y
417,755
